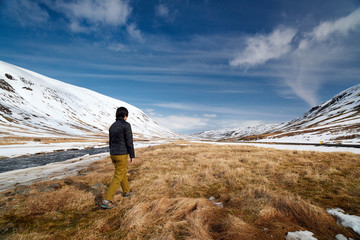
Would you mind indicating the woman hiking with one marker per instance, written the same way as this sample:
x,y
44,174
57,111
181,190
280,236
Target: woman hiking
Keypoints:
x,y
121,147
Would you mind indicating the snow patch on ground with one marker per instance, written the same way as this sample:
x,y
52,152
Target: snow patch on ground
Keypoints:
x,y
16,150
300,235
291,147
345,220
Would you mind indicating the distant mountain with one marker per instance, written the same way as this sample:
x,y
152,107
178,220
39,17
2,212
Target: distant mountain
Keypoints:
x,y
235,133
34,105
334,121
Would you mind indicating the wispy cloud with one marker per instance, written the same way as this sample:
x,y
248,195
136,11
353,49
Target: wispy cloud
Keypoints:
x,y
263,48
163,11
89,13
210,115
83,16
322,49
195,123
198,108
134,32
341,26
309,56
117,47
27,13
182,123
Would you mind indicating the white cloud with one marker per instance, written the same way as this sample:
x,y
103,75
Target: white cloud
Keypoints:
x,y
78,28
233,123
210,115
134,32
190,124
263,48
88,15
198,108
316,54
162,10
182,123
27,13
341,26
308,64
151,112
113,12
118,47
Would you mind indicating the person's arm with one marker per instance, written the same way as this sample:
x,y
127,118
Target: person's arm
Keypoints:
x,y
129,142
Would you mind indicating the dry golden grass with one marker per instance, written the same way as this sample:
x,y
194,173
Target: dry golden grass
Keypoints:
x,y
265,194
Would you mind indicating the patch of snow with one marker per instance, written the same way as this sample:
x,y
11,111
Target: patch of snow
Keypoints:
x,y
345,220
300,235
291,147
342,237
15,150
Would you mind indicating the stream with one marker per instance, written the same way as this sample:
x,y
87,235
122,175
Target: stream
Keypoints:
x,y
35,160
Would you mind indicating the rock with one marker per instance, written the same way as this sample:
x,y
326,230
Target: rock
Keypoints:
x,y
3,230
99,187
9,76
21,189
68,181
7,227
10,225
51,187
218,204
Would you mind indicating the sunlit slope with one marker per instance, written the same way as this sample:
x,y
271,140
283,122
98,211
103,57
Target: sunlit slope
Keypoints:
x,y
35,105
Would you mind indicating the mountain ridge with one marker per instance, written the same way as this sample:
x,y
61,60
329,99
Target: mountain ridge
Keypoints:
x,y
334,121
36,105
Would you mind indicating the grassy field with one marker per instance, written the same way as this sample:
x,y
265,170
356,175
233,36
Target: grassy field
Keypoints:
x,y
265,194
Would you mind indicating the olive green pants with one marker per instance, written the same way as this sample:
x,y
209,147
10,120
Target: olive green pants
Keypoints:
x,y
120,176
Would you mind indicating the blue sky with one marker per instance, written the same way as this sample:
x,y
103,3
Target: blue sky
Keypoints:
x,y
192,65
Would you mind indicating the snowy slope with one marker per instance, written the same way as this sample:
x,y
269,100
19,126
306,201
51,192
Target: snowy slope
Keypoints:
x,y
34,105
235,132
334,121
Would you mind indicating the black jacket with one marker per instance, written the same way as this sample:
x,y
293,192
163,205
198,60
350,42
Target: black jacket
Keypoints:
x,y
121,139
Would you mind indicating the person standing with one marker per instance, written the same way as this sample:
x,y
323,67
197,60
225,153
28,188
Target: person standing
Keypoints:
x,y
121,147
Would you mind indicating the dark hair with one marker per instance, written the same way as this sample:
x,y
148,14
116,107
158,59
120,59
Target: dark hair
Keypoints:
x,y
121,112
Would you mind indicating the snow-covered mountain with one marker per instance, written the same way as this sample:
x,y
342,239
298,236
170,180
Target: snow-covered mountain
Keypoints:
x,y
34,105
232,133
334,121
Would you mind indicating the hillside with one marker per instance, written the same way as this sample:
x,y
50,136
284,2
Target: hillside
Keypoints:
x,y
235,132
334,121
33,105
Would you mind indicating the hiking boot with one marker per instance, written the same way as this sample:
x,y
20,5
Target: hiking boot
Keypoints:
x,y
107,204
129,194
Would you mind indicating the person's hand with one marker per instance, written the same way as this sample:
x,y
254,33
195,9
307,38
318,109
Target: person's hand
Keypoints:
x,y
131,160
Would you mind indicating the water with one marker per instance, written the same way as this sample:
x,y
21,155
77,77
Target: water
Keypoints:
x,y
35,160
